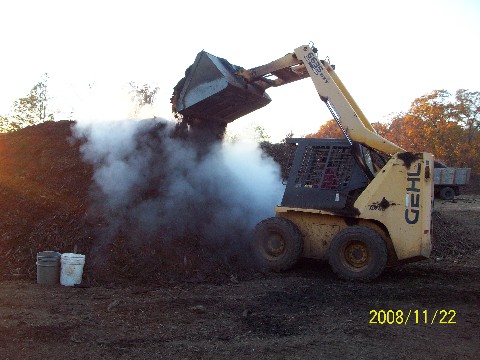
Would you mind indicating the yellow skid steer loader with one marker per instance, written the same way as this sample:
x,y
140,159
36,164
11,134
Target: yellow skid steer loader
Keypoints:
x,y
361,203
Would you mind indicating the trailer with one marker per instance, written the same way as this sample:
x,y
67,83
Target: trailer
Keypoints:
x,y
448,180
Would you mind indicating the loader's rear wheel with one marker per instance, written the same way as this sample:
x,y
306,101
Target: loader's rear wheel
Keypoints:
x,y
277,243
357,253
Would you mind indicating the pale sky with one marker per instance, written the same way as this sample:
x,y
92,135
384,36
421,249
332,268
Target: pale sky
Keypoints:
x,y
387,53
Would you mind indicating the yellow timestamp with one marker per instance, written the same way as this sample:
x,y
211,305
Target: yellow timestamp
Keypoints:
x,y
400,317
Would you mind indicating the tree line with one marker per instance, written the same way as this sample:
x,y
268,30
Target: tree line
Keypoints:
x,y
35,107
29,110
444,124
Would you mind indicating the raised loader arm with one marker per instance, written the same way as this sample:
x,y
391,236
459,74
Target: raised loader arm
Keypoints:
x,y
214,90
304,63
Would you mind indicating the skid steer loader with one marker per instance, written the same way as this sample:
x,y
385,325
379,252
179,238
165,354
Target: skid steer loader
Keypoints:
x,y
362,203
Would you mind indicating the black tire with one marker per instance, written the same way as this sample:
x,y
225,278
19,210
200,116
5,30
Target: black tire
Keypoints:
x,y
358,253
277,243
447,193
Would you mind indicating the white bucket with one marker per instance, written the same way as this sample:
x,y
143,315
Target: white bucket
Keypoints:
x,y
71,269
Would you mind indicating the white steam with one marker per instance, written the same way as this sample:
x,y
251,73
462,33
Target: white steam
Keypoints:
x,y
156,186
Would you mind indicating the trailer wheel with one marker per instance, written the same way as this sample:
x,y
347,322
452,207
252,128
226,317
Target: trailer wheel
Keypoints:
x,y
447,193
358,253
277,243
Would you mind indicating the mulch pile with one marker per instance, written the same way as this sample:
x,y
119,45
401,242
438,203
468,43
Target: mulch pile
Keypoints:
x,y
44,205
43,196
282,153
473,186
451,239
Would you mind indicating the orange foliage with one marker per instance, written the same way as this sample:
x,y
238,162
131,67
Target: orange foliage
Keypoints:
x,y
328,130
445,125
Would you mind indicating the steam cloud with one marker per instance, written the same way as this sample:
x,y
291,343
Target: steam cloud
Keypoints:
x,y
154,188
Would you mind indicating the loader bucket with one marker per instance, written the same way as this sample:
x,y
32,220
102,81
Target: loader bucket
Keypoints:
x,y
211,91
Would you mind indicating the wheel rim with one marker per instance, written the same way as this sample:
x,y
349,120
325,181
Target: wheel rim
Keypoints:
x,y
449,194
274,245
356,254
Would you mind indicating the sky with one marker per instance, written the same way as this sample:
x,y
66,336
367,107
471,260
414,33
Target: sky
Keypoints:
x,y
387,53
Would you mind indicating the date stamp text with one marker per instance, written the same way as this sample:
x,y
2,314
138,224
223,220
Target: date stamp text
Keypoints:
x,y
412,316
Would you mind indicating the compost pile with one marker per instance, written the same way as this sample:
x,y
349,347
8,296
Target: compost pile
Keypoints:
x,y
50,202
47,202
451,239
43,196
282,153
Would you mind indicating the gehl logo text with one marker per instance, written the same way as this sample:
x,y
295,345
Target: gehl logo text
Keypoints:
x,y
412,200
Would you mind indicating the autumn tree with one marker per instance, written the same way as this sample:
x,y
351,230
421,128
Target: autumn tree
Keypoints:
x,y
440,123
288,136
433,124
382,129
443,124
142,95
5,125
261,134
466,111
328,130
331,130
33,108
29,110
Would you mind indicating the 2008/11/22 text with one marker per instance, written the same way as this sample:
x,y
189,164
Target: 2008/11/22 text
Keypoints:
x,y
400,317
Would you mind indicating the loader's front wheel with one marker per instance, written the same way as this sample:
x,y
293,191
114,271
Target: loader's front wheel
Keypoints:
x,y
277,243
358,253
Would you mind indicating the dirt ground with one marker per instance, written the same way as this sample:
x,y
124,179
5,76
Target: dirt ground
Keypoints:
x,y
213,309
305,313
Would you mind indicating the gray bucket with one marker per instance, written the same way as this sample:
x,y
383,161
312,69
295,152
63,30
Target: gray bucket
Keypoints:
x,y
48,268
211,91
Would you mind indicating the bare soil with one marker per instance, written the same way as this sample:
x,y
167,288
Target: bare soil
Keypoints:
x,y
304,313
